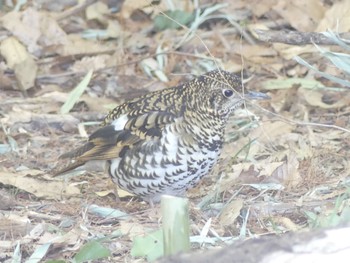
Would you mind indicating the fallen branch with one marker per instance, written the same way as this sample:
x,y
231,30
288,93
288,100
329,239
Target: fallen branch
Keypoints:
x,y
314,246
296,38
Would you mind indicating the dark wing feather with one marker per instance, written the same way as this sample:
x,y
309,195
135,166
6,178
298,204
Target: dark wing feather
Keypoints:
x,y
170,100
106,143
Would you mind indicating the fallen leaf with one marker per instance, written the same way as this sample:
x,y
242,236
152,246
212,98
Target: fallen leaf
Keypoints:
x,y
26,73
30,182
18,58
288,172
92,250
268,131
14,225
132,229
13,51
312,12
150,246
315,98
25,26
286,222
336,18
230,212
97,11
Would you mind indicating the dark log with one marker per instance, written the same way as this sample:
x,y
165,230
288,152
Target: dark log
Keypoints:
x,y
314,246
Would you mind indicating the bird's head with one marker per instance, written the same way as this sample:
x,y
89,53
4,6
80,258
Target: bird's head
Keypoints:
x,y
221,92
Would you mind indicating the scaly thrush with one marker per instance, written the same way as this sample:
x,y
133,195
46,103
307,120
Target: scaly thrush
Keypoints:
x,y
166,141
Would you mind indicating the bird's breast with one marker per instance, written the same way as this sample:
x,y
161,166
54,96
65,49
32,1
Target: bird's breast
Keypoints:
x,y
169,165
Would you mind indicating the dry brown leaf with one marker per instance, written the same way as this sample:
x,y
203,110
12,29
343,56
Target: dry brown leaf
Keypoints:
x,y
99,105
88,63
324,192
97,11
230,212
315,97
256,26
33,121
32,28
259,7
138,41
71,238
245,171
30,182
5,80
267,169
257,54
14,225
114,30
20,61
336,18
288,173
302,148
131,229
113,189
236,171
79,45
286,222
289,52
269,131
302,15
104,193
234,65
130,6
54,96
123,193
51,32
26,73
13,52
25,26
7,200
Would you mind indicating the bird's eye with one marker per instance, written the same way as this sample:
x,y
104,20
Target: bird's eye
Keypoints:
x,y
227,92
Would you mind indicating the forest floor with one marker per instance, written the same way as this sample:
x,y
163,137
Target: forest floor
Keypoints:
x,y
285,165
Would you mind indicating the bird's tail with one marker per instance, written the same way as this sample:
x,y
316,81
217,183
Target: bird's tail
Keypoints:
x,y
73,155
104,144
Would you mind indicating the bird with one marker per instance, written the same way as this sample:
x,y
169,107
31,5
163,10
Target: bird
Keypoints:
x,y
165,142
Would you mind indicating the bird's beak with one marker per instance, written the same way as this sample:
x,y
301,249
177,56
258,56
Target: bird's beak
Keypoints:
x,y
254,95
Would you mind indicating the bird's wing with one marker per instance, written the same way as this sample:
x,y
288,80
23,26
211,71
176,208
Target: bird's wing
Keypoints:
x,y
168,100
113,140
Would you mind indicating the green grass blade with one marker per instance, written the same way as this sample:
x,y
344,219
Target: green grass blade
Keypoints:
x,y
76,93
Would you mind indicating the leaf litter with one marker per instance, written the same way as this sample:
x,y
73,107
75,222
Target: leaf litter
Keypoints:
x,y
285,165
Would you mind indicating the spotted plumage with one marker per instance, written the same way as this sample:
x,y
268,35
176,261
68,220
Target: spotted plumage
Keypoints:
x,y
166,141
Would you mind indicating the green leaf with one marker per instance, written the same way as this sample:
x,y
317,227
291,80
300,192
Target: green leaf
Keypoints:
x,y
39,253
107,212
5,148
328,76
17,255
172,19
150,246
340,60
336,38
76,93
91,251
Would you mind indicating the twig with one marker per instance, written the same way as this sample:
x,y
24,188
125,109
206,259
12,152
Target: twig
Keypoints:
x,y
44,216
74,10
296,38
287,120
